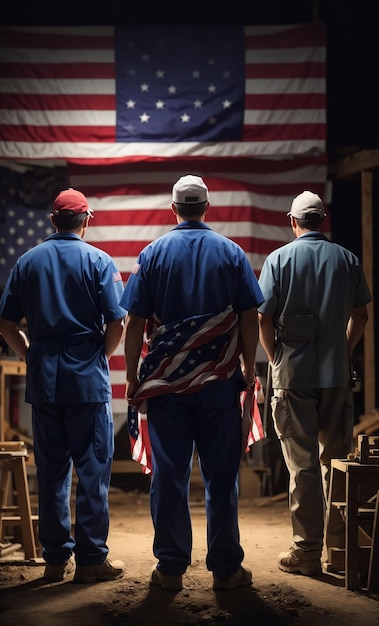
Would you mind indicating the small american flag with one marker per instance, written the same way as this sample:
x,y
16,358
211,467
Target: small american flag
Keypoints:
x,y
139,439
252,427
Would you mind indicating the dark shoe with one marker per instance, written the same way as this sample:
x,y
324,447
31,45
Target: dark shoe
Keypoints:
x,y
108,570
59,572
289,562
242,578
169,583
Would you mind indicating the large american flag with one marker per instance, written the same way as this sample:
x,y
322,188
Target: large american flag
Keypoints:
x,y
132,92
129,110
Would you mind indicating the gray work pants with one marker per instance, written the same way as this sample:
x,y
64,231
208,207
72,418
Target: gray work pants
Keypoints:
x,y
313,426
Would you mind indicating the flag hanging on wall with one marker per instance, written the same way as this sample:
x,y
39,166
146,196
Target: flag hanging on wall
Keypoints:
x,y
152,92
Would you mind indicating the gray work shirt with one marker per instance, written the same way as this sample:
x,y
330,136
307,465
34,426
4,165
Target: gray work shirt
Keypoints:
x,y
310,287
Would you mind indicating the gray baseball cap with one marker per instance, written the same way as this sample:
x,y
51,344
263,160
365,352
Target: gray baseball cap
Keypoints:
x,y
305,204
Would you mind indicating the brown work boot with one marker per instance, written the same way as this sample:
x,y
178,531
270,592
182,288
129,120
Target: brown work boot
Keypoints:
x,y
242,578
165,581
289,562
107,570
54,573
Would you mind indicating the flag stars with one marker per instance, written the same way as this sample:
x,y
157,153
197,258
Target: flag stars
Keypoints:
x,y
212,88
198,104
146,58
226,104
130,129
212,121
172,89
144,87
130,104
159,104
144,118
159,74
193,323
185,118
195,74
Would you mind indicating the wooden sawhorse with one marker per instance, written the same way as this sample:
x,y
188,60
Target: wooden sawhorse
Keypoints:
x,y
13,456
361,485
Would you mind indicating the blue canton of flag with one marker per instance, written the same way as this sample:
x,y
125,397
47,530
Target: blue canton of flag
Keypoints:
x,y
22,229
200,97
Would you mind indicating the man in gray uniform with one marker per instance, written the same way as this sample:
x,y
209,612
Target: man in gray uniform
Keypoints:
x,y
314,314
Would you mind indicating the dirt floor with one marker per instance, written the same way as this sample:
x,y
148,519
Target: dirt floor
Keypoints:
x,y
276,598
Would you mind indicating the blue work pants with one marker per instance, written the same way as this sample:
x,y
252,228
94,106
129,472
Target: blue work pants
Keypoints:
x,y
210,421
81,435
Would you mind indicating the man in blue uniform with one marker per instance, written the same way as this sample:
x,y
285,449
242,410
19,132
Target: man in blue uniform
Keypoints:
x,y
69,293
199,294
314,314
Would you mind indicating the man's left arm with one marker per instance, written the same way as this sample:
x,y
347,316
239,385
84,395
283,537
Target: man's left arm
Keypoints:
x,y
267,335
248,331
135,326
15,337
113,336
356,326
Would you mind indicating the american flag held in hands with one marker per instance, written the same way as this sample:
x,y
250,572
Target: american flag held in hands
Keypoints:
x,y
180,358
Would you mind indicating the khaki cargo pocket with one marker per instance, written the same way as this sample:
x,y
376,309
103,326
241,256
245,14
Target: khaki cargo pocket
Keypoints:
x,y
103,443
281,414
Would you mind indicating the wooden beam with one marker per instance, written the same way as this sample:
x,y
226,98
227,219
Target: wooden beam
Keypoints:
x,y
365,160
367,264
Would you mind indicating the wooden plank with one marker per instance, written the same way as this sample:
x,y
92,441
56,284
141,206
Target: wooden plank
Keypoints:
x,y
358,162
367,263
368,424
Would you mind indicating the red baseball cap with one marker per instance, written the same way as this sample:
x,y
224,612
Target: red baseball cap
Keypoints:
x,y
71,202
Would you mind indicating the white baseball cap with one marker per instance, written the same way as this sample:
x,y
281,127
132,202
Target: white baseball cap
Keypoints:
x,y
305,204
190,190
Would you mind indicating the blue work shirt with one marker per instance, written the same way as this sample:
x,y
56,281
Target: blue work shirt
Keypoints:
x,y
310,287
67,290
189,271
